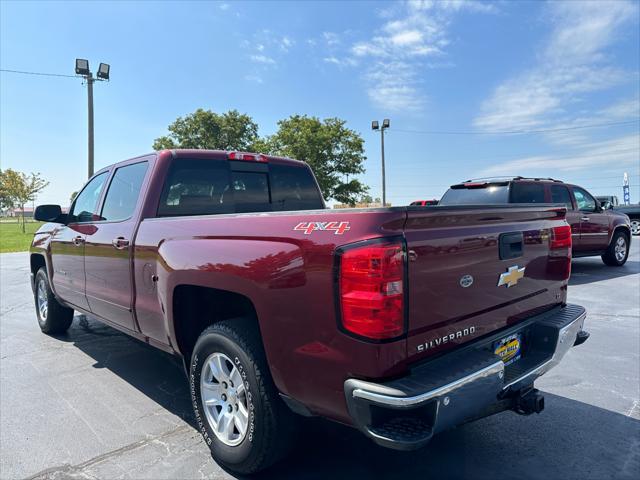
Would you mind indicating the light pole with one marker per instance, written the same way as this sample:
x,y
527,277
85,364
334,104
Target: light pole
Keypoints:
x,y
82,68
376,126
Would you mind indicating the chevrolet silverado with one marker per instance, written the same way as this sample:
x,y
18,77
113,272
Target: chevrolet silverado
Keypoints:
x,y
401,322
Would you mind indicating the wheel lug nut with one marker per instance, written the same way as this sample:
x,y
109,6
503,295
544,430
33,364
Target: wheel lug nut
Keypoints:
x,y
224,385
224,397
230,408
230,383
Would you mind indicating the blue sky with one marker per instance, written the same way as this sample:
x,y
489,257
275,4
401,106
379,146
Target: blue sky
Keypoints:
x,y
447,66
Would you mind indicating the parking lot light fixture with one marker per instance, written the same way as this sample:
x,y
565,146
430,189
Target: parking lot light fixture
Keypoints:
x,y
376,126
103,71
82,67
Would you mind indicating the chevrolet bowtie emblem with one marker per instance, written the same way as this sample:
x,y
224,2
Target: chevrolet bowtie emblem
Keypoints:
x,y
511,276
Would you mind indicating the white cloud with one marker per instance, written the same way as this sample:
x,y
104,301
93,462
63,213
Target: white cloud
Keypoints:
x,y
616,152
407,38
286,43
411,33
331,38
573,63
253,78
263,59
224,6
393,86
624,109
341,62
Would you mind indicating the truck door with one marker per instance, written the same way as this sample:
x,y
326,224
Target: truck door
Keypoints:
x,y
68,243
107,254
594,225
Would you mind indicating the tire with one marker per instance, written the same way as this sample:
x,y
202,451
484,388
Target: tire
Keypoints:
x,y
53,318
635,226
232,349
617,251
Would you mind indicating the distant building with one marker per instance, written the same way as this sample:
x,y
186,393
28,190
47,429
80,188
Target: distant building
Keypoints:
x,y
17,212
360,205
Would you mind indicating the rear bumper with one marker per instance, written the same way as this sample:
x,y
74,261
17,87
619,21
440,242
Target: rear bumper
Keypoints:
x,y
464,385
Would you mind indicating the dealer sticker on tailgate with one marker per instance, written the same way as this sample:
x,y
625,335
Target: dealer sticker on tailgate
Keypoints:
x,y
508,349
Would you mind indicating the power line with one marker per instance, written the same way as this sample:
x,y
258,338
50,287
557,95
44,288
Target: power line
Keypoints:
x,y
514,132
43,74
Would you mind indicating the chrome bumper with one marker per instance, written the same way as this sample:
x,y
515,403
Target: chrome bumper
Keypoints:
x,y
468,383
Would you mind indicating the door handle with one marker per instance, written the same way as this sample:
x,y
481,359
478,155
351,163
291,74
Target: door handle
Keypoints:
x,y
585,219
77,241
120,243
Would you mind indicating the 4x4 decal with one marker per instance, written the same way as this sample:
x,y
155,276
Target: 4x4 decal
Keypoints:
x,y
338,228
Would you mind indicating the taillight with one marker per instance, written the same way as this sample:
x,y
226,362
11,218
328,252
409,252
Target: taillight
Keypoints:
x,y
560,252
561,237
371,290
252,157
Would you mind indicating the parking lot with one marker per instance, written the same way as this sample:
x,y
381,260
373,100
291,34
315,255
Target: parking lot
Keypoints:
x,y
97,404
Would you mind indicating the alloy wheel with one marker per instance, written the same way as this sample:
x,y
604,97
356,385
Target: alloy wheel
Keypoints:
x,y
224,399
43,303
620,248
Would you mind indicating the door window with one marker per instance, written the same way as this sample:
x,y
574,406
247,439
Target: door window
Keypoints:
x,y
123,193
586,203
560,194
86,202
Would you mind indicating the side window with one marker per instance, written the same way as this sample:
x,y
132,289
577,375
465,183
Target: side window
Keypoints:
x,y
124,190
560,194
86,202
527,192
197,187
586,203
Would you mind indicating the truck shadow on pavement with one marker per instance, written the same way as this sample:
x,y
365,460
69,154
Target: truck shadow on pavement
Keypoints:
x,y
569,439
591,270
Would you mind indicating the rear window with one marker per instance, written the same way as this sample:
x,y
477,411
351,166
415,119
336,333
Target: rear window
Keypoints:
x,y
527,193
476,195
205,186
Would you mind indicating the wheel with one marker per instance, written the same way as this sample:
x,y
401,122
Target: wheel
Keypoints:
x,y
618,250
53,318
635,226
236,404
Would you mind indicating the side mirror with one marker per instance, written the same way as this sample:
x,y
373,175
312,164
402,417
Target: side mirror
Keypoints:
x,y
48,213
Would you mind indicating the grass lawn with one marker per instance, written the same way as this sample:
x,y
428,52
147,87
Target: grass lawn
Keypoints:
x,y
13,240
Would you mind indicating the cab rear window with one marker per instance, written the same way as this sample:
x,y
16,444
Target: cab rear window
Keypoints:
x,y
476,194
207,186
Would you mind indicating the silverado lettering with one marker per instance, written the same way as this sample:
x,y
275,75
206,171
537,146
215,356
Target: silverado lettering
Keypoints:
x,y
452,336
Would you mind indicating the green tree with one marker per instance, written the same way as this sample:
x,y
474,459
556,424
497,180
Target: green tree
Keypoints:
x,y
333,151
205,129
73,197
17,188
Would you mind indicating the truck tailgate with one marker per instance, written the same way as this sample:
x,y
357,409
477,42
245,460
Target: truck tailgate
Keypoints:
x,y
476,269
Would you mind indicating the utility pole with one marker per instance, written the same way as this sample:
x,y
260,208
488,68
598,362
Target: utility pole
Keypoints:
x,y
376,126
82,69
90,81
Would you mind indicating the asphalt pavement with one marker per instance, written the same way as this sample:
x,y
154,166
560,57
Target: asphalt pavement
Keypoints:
x,y
95,403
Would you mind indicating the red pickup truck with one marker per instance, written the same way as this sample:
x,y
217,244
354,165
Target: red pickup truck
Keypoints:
x,y
595,230
401,322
